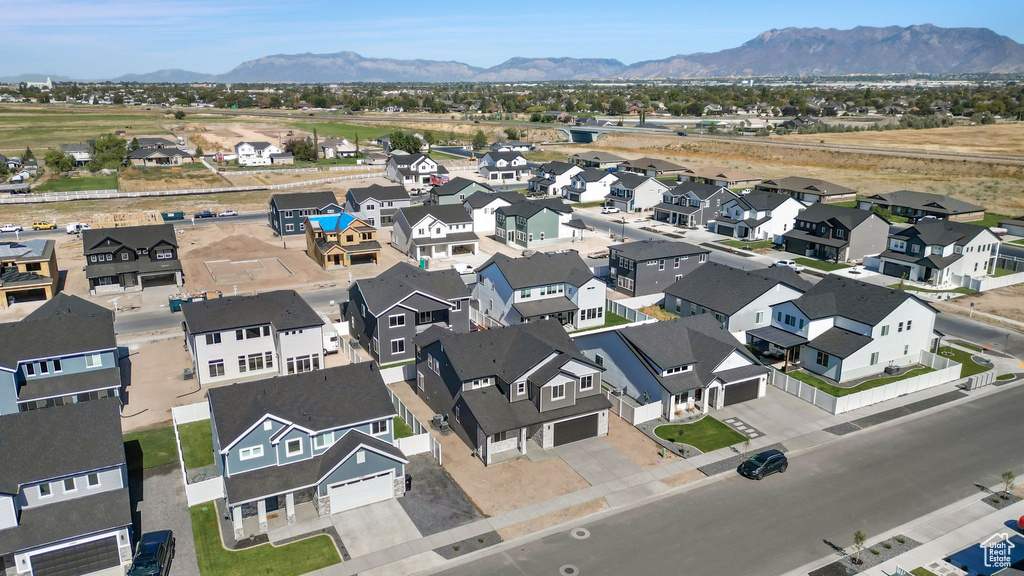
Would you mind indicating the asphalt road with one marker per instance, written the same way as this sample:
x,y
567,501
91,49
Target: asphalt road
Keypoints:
x,y
999,339
871,481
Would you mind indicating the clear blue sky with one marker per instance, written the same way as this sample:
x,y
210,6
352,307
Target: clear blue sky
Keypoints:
x,y
106,38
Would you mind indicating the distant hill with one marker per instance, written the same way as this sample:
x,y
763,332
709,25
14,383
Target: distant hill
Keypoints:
x,y
31,78
173,75
346,66
542,69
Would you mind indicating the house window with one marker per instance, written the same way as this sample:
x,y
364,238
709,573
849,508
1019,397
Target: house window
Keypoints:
x,y
268,359
93,480
423,318
268,425
874,358
661,265
293,447
302,364
124,256
520,388
599,359
213,339
676,263
255,361
378,428
45,491
906,349
396,320
361,457
822,359
900,327
457,414
703,258
250,453
69,485
93,361
759,317
458,305
524,293
885,330
586,383
558,392
321,441
909,322
241,364
216,368
398,346
289,227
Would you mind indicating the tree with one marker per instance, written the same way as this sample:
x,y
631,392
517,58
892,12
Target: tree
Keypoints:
x,y
479,139
108,153
617,107
57,161
1009,479
315,151
3,169
199,151
405,142
179,115
429,138
28,155
302,150
512,133
133,145
858,544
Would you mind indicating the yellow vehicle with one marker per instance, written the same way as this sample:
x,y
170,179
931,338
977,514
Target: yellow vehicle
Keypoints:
x,y
44,225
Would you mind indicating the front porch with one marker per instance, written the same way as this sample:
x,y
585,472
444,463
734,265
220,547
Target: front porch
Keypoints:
x,y
275,512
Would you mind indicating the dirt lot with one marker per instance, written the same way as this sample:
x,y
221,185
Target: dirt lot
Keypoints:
x,y
185,177
635,445
996,139
503,487
1006,302
157,384
553,519
222,137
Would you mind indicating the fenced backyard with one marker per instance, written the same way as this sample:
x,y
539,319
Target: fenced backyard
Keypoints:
x,y
200,485
421,440
632,411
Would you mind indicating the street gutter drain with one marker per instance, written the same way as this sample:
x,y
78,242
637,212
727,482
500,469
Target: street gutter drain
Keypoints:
x,y
580,533
569,570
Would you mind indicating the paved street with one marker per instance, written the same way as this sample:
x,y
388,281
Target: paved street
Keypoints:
x,y
872,481
997,338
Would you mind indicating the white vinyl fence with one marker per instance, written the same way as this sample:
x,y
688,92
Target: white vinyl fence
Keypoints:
x,y
633,315
946,370
402,373
631,411
204,490
421,441
991,282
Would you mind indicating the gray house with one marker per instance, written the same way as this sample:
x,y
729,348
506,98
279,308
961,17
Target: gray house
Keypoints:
x,y
64,505
375,204
501,388
287,213
456,191
650,266
44,364
838,233
692,204
131,258
319,440
385,313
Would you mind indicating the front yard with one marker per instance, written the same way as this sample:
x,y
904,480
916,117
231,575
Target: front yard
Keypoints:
x,y
288,560
706,434
76,183
840,391
821,264
745,245
970,367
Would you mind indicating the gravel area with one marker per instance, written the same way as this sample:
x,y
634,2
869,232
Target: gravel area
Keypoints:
x,y
734,462
468,545
158,496
435,503
845,566
998,502
843,429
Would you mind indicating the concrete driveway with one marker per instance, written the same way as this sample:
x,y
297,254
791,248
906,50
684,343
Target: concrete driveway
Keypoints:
x,y
596,461
778,415
378,526
159,501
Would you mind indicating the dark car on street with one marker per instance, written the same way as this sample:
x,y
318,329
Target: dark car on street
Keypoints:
x,y
153,554
764,464
205,214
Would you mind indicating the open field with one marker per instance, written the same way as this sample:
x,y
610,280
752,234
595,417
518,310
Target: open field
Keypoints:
x,y
995,139
45,127
73,183
187,176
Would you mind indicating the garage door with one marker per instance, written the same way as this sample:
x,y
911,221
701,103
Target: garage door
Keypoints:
x,y
362,492
576,429
165,280
81,559
741,392
726,230
894,269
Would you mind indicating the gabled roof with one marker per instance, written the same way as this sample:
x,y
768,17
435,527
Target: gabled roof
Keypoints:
x,y
143,153
593,175
155,142
600,157
283,309
448,213
557,167
303,200
925,201
456,185
541,269
45,334
402,280
378,192
655,164
527,208
507,156
27,250
481,199
701,191
655,249
728,290
632,180
255,145
717,173
761,200
941,232
334,222
810,185
861,302
850,218
317,400
66,306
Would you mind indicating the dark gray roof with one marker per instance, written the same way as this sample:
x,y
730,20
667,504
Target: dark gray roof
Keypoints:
x,y
271,480
925,201
543,306
403,279
133,237
701,191
848,217
456,185
655,249
303,200
941,232
677,208
777,336
317,400
65,305
66,384
141,266
858,301
839,342
72,518
44,444
457,238
761,200
284,309
810,185
45,333
449,214
541,268
481,199
528,208
142,153
144,141
494,413
632,180
557,167
593,175
508,156
378,192
647,163
603,157
725,289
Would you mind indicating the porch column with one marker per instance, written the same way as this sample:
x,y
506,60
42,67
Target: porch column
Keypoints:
x,y
691,399
522,441
261,510
289,507
236,522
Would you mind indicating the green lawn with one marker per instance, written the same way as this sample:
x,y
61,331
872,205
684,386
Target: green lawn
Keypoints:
x,y
820,264
397,364
197,444
706,435
847,204
839,391
907,288
922,572
989,220
151,448
436,155
1002,272
744,245
967,345
266,560
1018,241
970,367
610,319
74,183
588,204
1009,376
402,430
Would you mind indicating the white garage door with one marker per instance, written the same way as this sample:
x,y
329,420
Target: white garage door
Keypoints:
x,y
362,492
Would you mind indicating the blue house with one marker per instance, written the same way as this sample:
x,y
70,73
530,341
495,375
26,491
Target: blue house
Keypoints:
x,y
287,213
63,353
322,439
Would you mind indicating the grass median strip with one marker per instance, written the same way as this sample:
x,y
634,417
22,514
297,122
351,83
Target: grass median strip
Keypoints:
x,y
906,288
743,245
706,434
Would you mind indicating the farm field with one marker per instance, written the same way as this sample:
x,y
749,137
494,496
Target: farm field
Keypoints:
x,y
996,139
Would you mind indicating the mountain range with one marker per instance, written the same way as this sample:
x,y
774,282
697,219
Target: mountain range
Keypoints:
x,y
922,49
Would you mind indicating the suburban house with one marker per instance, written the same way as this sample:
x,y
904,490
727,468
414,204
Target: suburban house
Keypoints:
x,y
716,176
917,205
553,177
529,223
512,146
43,364
837,233
503,388
385,143
151,157
843,329
386,312
338,148
650,266
590,185
938,252
321,440
288,212
757,215
635,192
599,160
64,505
542,286
652,167
692,204
687,365
504,166
434,232
1013,225
154,143
268,334
483,207
739,300
809,190
28,271
340,241
412,169
127,259
456,190
256,153
81,152
375,204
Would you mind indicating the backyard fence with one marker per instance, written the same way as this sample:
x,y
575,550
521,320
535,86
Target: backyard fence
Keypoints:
x,y
402,373
349,351
421,441
990,282
945,370
632,411
616,307
205,490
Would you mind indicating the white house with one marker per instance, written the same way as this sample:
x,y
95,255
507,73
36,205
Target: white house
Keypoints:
x,y
757,215
512,146
434,231
412,169
558,285
482,206
496,166
940,252
553,178
338,148
82,153
256,153
240,337
633,192
590,185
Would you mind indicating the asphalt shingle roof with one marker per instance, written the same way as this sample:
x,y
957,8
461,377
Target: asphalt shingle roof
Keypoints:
x,y
378,192
761,200
403,279
925,201
41,525
655,164
448,213
839,342
284,309
702,191
941,232
133,237
810,185
45,333
727,290
303,200
858,301
632,180
848,217
655,249
481,199
456,185
541,269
